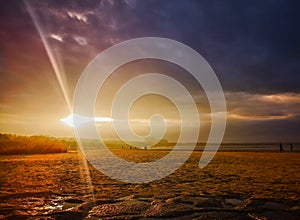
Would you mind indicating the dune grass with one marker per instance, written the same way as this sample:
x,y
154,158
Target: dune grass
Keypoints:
x,y
14,144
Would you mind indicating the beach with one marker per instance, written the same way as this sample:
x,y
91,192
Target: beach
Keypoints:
x,y
235,185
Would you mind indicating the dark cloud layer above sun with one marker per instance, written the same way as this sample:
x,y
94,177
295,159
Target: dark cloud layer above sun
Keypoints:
x,y
253,46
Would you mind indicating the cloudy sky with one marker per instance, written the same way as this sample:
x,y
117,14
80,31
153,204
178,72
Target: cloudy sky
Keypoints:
x,y
253,47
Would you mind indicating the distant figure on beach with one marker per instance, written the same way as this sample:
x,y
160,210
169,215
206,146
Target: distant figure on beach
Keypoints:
x,y
291,145
280,147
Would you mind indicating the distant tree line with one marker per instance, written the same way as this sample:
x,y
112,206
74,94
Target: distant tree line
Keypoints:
x,y
15,144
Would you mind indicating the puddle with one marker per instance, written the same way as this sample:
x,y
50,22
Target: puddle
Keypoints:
x,y
69,206
57,204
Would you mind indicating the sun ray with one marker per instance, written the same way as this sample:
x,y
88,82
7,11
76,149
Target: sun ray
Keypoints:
x,y
59,73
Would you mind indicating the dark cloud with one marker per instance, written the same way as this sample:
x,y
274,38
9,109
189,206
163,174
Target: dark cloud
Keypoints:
x,y
252,45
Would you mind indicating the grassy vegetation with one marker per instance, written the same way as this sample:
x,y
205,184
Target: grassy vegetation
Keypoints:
x,y
14,144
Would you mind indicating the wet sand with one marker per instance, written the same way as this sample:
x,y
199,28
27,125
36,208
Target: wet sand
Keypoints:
x,y
235,185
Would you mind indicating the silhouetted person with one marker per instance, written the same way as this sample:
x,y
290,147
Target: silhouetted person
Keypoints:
x,y
291,145
280,147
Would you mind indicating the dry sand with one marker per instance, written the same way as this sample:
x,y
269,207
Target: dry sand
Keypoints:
x,y
235,185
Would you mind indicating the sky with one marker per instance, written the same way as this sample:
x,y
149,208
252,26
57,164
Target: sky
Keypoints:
x,y
252,46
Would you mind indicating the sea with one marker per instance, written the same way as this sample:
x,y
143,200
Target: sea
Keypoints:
x,y
243,147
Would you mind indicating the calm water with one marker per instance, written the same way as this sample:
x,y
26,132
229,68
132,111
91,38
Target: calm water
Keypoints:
x,y
244,147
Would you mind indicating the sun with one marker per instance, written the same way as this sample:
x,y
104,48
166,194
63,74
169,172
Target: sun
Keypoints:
x,y
69,120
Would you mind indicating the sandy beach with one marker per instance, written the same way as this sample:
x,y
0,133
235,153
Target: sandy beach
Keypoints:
x,y
235,185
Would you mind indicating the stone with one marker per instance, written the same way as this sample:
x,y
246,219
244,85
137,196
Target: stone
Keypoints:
x,y
274,206
126,208
234,202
